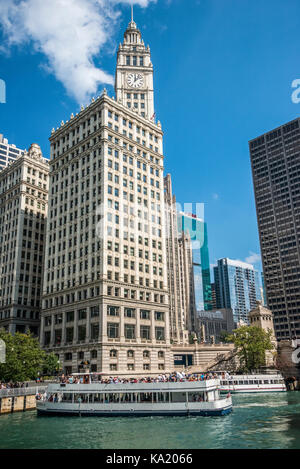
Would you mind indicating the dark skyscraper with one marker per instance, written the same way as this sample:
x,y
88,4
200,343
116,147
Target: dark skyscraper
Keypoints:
x,y
275,160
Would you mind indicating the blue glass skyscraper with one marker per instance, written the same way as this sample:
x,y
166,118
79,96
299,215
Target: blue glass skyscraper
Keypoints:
x,y
197,230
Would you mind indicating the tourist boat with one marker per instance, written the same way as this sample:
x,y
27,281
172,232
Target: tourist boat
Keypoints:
x,y
252,383
134,399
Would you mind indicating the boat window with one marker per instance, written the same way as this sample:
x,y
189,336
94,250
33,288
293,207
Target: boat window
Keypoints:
x,y
241,382
260,381
255,381
81,398
276,381
195,396
178,396
246,382
250,381
98,397
235,382
266,381
146,397
230,382
67,397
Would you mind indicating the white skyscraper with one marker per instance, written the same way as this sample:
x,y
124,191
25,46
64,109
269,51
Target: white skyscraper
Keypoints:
x,y
8,152
105,301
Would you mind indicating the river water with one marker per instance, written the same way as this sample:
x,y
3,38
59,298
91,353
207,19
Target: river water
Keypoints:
x,y
258,421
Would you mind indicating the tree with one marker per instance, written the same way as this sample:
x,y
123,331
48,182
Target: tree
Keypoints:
x,y
251,343
51,365
24,357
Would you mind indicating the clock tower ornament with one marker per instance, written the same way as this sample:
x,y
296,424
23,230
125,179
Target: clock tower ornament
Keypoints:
x,y
134,73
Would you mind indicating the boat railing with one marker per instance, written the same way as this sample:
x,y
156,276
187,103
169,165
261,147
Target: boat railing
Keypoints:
x,y
15,392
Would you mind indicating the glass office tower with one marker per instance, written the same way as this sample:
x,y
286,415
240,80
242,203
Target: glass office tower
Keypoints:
x,y
237,287
197,230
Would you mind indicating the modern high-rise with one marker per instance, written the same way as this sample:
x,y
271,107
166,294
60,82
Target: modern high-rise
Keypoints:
x,y
8,152
237,287
197,230
105,301
275,160
23,212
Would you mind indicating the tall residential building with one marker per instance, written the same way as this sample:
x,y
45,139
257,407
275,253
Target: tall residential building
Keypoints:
x,y
237,287
105,297
179,303
197,229
23,212
8,152
275,161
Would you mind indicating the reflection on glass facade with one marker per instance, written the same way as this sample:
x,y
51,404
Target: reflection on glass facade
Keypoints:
x,y
237,287
197,230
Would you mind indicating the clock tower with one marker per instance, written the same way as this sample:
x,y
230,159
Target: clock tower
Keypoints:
x,y
134,73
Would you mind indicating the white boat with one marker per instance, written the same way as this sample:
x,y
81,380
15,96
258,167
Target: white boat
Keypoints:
x,y
252,383
135,399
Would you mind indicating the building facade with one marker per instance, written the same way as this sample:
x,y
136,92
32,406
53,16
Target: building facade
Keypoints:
x,y
8,152
179,266
275,161
23,212
262,317
211,325
105,299
237,287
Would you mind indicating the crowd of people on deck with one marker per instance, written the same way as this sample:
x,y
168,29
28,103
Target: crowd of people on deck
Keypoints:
x,y
163,378
11,385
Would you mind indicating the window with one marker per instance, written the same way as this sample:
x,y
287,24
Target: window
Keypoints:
x,y
145,332
130,354
159,333
129,313
129,331
82,314
159,316
112,330
146,354
113,353
144,314
113,310
94,354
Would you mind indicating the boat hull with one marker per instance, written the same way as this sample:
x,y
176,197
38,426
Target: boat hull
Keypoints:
x,y
136,413
249,390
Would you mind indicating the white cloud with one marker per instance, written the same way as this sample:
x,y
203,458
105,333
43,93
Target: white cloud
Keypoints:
x,y
253,258
70,33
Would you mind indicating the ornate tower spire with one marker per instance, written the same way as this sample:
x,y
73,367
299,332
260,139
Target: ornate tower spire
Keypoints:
x,y
134,73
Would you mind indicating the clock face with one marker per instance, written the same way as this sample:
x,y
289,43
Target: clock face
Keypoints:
x,y
135,80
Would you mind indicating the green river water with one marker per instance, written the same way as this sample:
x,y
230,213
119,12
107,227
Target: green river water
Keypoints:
x,y
263,421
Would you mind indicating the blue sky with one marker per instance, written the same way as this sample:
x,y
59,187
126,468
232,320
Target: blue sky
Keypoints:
x,y
223,74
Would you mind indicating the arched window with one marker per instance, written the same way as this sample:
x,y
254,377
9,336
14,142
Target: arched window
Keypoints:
x,y
113,353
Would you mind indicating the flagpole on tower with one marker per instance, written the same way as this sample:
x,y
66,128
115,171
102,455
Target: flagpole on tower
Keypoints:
x,y
131,12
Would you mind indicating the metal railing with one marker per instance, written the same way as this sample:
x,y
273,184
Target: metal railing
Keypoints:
x,y
14,392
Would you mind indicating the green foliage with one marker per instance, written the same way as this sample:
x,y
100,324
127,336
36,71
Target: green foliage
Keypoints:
x,y
25,359
51,364
224,336
251,343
